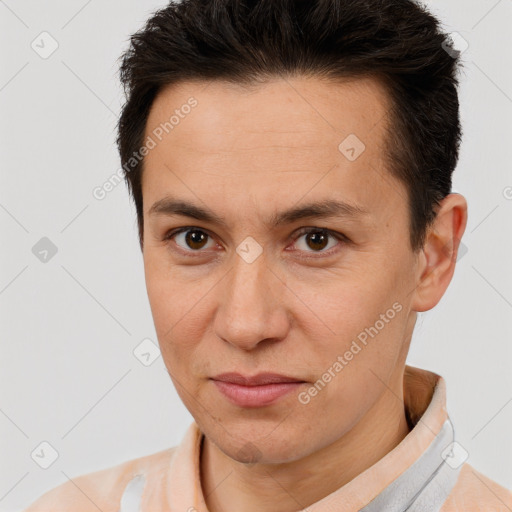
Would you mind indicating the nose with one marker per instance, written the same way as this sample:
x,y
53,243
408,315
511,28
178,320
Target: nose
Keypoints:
x,y
251,306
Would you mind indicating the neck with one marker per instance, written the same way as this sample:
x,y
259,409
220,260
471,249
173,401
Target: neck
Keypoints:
x,y
273,487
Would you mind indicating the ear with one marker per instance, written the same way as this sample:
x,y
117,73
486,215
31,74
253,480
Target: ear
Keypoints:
x,y
438,256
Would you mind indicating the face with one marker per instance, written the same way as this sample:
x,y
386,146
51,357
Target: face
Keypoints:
x,y
320,295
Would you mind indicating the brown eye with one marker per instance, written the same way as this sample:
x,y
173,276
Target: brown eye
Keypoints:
x,y
318,240
190,239
195,239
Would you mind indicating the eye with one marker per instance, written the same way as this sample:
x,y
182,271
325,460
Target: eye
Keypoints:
x,y
190,239
317,239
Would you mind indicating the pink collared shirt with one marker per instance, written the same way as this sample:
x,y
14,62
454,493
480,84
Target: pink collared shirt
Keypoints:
x,y
424,472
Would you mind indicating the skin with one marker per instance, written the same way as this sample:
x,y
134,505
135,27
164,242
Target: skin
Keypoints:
x,y
248,153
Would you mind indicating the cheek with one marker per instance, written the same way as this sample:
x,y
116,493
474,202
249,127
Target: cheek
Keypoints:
x,y
342,306
170,296
178,305
356,333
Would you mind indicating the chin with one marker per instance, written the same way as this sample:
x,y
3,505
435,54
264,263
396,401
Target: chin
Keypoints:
x,y
266,446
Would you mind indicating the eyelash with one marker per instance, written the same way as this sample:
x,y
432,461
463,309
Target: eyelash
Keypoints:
x,y
303,231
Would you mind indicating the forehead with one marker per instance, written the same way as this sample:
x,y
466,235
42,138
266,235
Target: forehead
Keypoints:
x,y
313,110
278,140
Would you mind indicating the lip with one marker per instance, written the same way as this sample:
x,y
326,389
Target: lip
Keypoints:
x,y
255,391
255,380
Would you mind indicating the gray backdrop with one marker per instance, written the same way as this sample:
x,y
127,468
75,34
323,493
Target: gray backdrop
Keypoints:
x,y
72,319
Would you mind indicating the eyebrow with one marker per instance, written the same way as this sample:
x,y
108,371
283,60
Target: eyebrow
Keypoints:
x,y
320,209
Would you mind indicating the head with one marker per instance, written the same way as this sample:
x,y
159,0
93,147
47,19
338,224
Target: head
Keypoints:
x,y
290,164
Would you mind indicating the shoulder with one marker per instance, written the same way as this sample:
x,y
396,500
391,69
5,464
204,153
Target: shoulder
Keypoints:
x,y
474,492
102,489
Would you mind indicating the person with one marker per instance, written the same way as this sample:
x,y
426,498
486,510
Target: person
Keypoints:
x,y
290,164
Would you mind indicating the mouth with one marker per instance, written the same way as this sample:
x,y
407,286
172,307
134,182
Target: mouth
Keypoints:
x,y
255,391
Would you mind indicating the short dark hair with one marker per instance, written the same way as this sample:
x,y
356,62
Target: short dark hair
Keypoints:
x,y
397,42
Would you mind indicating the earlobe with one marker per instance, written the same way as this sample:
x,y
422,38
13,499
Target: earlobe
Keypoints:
x,y
439,253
